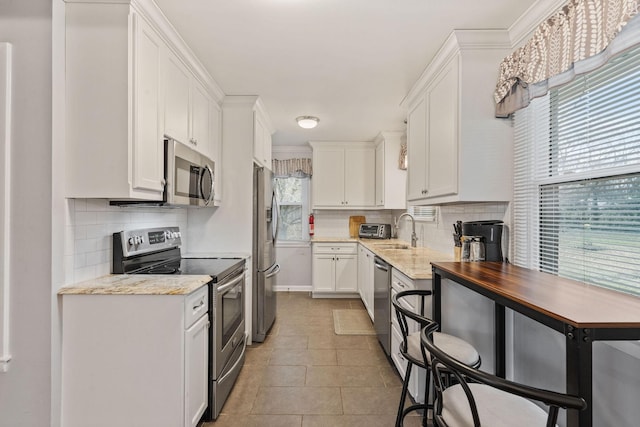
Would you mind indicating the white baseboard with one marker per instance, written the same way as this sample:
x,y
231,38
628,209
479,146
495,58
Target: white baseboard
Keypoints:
x,y
284,288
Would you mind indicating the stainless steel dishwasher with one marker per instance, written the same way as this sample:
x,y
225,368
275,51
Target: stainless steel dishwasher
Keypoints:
x,y
382,303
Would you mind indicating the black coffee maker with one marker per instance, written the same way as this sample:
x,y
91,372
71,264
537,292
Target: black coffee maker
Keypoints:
x,y
491,233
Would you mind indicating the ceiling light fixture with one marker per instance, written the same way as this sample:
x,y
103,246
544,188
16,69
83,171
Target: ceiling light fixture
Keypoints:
x,y
307,122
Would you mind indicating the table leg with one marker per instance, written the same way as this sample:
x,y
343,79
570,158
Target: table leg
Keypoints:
x,y
579,374
436,287
499,340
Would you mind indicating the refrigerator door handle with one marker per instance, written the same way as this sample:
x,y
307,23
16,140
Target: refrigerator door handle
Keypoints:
x,y
275,212
275,269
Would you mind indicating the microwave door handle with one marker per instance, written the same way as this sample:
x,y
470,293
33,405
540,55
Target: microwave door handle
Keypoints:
x,y
206,170
224,288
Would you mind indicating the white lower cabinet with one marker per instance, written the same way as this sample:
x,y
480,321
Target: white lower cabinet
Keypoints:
x,y
134,360
365,278
399,283
335,268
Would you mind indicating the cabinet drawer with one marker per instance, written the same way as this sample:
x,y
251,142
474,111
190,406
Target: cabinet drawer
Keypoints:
x,y
336,248
195,305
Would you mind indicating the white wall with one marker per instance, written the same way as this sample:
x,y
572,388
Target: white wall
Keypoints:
x,y
25,390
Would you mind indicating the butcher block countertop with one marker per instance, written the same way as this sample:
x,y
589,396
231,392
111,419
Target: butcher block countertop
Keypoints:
x,y
133,284
414,263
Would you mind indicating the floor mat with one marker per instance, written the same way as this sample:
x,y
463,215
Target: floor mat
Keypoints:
x,y
352,322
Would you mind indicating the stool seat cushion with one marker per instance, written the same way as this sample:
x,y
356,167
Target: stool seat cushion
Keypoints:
x,y
496,408
455,347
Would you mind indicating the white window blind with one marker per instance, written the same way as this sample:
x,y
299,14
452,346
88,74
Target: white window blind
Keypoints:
x,y
423,213
577,179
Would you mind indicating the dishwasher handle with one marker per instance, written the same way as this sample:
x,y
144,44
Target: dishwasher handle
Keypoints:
x,y
383,267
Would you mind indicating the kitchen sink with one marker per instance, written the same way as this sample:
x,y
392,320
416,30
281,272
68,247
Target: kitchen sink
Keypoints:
x,y
392,246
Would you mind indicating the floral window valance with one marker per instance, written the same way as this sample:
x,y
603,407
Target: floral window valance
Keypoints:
x,y
575,40
298,168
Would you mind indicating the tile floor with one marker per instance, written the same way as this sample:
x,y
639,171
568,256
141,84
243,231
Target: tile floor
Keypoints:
x,y
304,375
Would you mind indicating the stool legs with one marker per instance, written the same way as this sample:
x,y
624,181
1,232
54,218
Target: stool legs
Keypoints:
x,y
403,395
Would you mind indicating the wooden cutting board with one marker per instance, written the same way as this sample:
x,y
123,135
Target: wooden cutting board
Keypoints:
x,y
354,224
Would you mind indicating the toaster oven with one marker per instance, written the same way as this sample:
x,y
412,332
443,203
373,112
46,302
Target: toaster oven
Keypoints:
x,y
375,231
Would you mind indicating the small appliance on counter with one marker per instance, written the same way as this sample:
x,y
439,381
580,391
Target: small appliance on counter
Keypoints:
x,y
375,231
490,233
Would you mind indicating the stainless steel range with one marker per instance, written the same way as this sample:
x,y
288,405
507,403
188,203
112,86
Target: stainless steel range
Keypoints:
x,y
157,251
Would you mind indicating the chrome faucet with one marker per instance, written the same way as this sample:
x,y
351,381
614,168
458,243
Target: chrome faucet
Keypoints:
x,y
414,237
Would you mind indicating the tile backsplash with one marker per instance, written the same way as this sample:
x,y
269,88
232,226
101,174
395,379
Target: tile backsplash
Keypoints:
x,y
437,235
90,224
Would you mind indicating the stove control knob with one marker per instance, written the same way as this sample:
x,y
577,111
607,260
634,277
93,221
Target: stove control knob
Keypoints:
x,y
141,239
132,241
178,234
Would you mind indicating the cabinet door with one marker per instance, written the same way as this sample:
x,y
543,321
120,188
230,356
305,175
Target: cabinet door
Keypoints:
x,y
442,167
266,148
323,273
258,139
417,151
360,177
380,175
362,271
176,104
346,273
196,371
370,269
148,151
200,117
216,146
328,186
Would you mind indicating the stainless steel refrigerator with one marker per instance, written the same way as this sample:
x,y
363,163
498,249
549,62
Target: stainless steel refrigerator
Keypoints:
x,y
265,267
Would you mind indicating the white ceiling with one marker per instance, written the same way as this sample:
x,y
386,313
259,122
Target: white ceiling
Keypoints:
x,y
348,62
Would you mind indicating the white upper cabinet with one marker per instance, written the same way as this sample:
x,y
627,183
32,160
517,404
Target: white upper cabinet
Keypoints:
x,y
200,117
391,181
176,106
344,175
457,150
114,129
129,81
262,139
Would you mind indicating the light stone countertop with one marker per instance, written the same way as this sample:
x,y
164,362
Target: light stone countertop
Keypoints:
x,y
414,263
137,284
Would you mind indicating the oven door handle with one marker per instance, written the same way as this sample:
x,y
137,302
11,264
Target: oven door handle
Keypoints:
x,y
235,365
273,271
224,288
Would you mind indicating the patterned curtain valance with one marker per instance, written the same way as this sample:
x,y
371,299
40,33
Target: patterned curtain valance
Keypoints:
x,y
580,30
299,168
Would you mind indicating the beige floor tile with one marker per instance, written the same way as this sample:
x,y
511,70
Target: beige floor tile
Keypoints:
x,y
285,341
361,358
348,421
257,355
229,420
344,376
281,356
390,376
284,376
353,342
298,400
308,329
370,400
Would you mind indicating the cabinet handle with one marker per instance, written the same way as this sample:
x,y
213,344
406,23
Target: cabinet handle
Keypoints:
x,y
200,304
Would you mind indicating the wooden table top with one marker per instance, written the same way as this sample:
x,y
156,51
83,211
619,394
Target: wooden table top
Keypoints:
x,y
569,301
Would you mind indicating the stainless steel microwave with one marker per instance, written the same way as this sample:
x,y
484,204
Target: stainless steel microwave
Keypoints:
x,y
189,175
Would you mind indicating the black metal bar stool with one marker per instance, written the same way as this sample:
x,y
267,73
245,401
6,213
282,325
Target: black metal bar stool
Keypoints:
x,y
412,351
477,397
